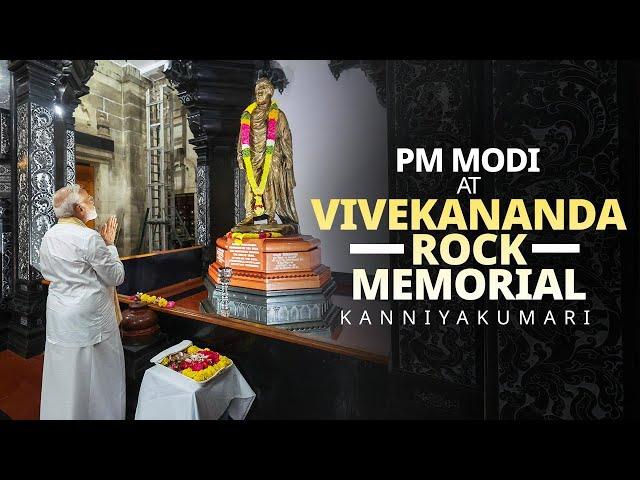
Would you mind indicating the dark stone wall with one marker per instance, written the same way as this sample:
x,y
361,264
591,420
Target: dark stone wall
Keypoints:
x,y
431,104
573,112
570,110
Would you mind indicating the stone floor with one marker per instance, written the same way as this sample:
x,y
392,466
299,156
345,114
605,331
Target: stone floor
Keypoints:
x,y
20,384
21,379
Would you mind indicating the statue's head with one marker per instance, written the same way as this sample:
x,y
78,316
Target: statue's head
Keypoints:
x,y
264,91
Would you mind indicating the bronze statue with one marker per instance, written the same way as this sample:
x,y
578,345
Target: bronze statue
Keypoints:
x,y
276,194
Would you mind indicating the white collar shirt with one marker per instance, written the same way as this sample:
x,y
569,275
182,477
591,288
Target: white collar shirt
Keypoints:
x,y
83,272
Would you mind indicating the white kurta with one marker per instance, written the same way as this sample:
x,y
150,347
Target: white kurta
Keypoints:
x,y
83,375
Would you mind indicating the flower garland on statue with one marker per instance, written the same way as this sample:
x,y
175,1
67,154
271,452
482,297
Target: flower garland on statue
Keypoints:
x,y
239,237
152,300
245,139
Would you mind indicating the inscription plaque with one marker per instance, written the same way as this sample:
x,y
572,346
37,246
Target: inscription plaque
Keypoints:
x,y
245,256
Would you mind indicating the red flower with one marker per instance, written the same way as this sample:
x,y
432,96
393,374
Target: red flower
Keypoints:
x,y
213,357
196,366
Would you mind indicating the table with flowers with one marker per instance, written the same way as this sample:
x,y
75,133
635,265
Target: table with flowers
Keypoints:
x,y
192,383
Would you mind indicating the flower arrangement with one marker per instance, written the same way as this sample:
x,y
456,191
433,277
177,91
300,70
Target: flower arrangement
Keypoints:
x,y
245,136
239,237
199,364
152,300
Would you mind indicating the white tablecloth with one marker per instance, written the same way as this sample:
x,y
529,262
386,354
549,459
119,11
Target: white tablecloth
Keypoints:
x,y
165,395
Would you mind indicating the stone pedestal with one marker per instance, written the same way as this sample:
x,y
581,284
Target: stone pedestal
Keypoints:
x,y
285,263
275,281
26,341
27,331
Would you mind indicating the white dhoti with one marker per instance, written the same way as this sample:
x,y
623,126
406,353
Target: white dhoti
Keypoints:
x,y
84,383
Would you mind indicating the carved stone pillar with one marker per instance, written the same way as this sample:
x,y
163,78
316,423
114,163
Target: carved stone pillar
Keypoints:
x,y
71,86
215,93
6,266
6,221
43,90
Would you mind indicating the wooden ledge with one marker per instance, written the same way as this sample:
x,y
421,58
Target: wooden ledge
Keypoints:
x,y
268,331
178,288
251,327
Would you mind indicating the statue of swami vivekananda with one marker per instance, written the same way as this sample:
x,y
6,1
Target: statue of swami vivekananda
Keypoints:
x,y
265,152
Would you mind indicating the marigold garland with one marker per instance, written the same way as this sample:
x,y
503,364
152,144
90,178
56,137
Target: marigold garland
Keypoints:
x,y
245,139
152,300
197,363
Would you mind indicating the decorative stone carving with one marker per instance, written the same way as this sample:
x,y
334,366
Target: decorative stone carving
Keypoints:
x,y
202,203
5,179
374,70
71,157
42,177
569,109
44,160
6,250
23,192
71,85
431,101
5,83
4,133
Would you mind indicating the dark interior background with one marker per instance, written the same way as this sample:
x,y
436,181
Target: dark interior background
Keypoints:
x,y
584,117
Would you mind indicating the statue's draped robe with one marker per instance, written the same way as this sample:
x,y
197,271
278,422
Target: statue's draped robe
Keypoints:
x,y
278,193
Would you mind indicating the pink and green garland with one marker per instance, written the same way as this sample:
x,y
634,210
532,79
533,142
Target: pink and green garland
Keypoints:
x,y
245,139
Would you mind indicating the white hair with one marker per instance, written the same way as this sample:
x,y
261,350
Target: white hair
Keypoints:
x,y
65,199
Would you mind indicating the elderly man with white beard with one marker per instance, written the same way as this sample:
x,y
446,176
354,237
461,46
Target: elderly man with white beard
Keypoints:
x,y
83,376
